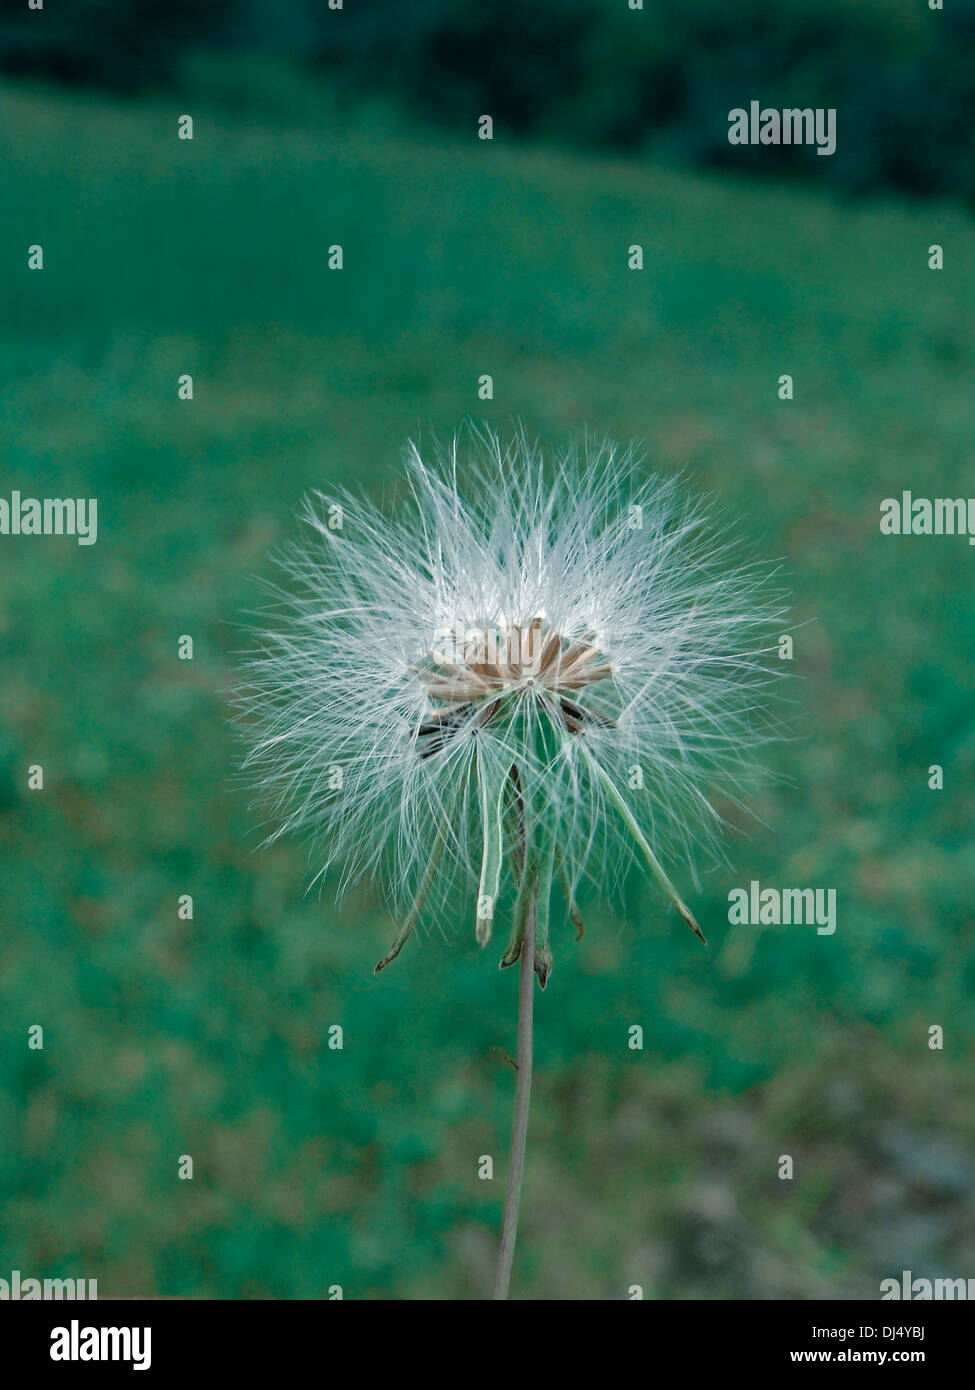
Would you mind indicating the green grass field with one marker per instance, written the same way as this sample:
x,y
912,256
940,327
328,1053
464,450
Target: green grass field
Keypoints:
x,y
164,1037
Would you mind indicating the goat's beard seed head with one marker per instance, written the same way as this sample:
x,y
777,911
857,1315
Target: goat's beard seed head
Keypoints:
x,y
563,652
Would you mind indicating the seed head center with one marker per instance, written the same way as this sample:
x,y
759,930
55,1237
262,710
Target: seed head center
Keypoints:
x,y
469,686
492,660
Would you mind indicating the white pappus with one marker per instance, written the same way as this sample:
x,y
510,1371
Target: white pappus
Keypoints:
x,y
537,670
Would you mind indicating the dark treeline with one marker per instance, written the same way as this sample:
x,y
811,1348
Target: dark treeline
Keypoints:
x,y
583,72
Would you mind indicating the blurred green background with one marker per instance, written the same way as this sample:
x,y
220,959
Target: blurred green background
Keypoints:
x,y
208,1037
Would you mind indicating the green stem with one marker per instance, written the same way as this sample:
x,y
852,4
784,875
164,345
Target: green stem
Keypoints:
x,y
519,1128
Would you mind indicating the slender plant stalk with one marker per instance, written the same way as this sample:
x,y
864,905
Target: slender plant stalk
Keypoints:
x,y
519,1128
